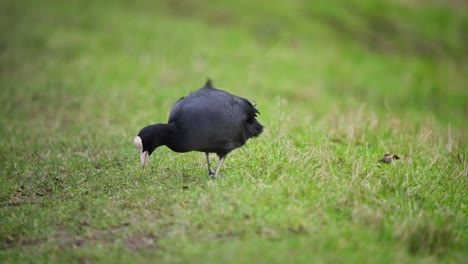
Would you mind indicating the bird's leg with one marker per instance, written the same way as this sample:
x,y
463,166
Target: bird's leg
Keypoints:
x,y
210,171
220,163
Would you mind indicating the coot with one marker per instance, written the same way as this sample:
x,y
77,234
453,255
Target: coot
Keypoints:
x,y
208,120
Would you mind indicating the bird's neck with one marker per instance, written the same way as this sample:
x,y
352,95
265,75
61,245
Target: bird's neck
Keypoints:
x,y
168,135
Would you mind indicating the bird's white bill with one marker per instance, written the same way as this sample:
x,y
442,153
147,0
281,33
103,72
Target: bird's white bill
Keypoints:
x,y
144,158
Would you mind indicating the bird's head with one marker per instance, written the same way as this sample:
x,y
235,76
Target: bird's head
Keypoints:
x,y
146,142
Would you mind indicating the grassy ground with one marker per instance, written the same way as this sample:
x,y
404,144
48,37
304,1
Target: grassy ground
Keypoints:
x,y
338,84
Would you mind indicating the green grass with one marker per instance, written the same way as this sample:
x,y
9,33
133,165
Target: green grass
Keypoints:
x,y
338,84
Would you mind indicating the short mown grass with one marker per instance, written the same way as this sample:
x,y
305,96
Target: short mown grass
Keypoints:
x,y
338,85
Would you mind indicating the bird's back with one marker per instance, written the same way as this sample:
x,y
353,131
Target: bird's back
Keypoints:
x,y
213,120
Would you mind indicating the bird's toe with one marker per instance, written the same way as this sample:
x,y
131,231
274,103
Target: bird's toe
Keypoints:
x,y
214,176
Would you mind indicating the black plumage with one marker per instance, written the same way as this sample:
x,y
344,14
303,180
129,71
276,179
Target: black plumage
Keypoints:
x,y
208,120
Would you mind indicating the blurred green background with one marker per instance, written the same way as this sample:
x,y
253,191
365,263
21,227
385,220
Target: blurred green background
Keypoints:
x,y
398,56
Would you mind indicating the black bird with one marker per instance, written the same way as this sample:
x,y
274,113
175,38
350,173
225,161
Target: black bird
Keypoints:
x,y
208,120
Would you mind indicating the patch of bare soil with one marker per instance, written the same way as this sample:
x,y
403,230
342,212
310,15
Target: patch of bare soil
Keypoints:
x,y
135,242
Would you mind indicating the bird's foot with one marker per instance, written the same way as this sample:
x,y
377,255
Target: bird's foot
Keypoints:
x,y
214,176
211,173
